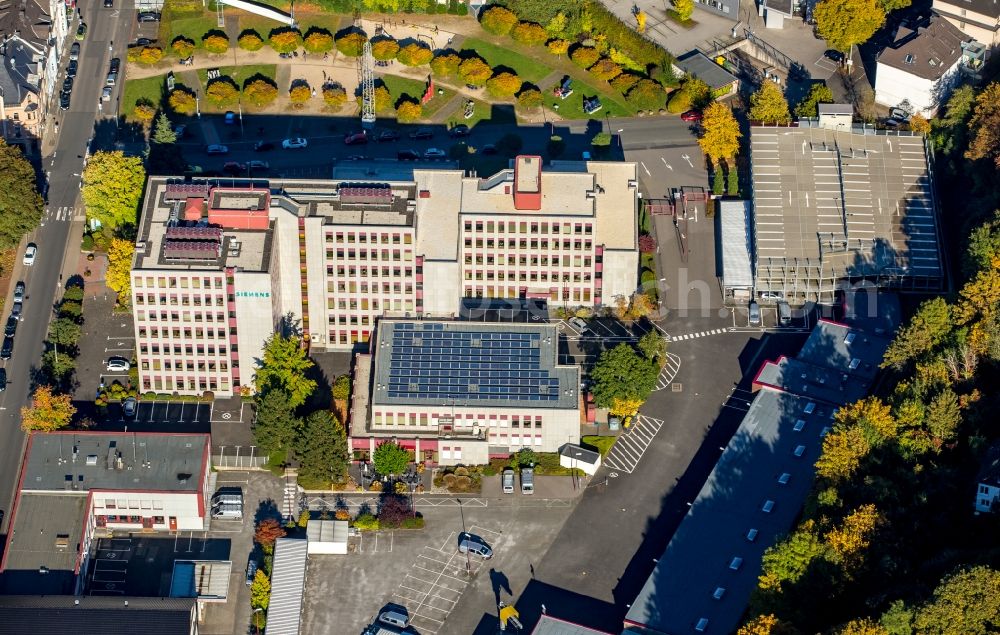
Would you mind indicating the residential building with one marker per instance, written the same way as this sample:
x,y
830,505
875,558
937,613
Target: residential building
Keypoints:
x,y
838,203
214,257
979,19
76,486
461,392
703,581
20,94
988,481
921,66
95,614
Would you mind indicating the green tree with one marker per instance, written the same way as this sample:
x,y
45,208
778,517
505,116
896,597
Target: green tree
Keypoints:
x,y
892,5
790,559
112,188
646,95
21,205
143,112
653,347
601,140
557,25
844,23
503,85
809,106
498,20
119,274
605,69
215,42
260,591
299,94
718,183
409,111
928,328
250,40
222,92
768,105
260,92
182,46
64,332
558,47
383,99
285,39
985,123
898,619
529,98
944,415
275,427
525,457
48,412
445,64
624,82
182,102
58,366
334,95
967,602
842,452
621,373
862,627
474,71
322,451
720,138
390,458
385,49
732,181
342,388
415,54
163,131
585,56
285,367
683,9
351,43
317,41
529,33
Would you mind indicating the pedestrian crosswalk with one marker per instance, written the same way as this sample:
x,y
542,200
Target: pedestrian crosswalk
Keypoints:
x,y
691,336
62,215
290,497
668,372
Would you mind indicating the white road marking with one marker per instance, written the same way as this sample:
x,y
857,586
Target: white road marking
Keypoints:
x,y
630,447
645,168
669,167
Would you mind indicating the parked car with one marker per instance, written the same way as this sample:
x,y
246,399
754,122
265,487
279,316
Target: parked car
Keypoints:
x,y
263,146
422,133
772,295
471,543
407,155
11,327
259,165
461,130
74,51
216,148
833,55
507,481
580,324
67,85
387,135
29,254
784,313
64,100
116,65
109,4
435,153
527,480
143,41
488,149
251,569
71,68
148,16
899,115
16,310
8,348
19,292
129,406
3,379
180,130
754,314
230,118
234,167
355,138
296,143
394,617
691,115
106,93
81,31
118,365
111,80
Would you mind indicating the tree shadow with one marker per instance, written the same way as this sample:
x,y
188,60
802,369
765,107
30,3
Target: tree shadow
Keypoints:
x,y
267,509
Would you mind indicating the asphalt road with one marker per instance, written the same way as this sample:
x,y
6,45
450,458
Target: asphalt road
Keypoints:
x,y
42,280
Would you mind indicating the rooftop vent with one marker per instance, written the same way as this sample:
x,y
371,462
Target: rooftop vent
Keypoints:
x,y
91,459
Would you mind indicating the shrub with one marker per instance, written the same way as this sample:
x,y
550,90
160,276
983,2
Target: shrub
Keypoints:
x,y
385,49
183,47
215,42
375,486
646,95
558,47
285,39
461,484
87,244
342,514
409,111
529,33
717,185
260,91
503,85
555,146
474,71
445,64
413,522
498,20
318,41
624,82
250,40
334,95
144,111
647,244
366,522
415,54
680,101
529,98
222,92
461,470
182,102
732,182
605,69
299,94
392,510
584,56
351,43
150,55
401,488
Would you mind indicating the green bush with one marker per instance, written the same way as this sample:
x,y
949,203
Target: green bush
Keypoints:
x,y
646,95
680,101
413,522
717,185
584,56
366,522
87,244
498,20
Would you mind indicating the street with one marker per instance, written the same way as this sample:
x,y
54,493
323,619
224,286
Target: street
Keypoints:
x,y
43,280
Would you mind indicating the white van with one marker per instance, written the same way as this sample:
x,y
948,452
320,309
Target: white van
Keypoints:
x,y
507,481
227,512
784,313
527,480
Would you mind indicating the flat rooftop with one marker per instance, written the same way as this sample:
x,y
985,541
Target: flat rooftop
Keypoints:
x,y
809,380
751,498
81,461
845,349
698,64
92,615
46,532
857,199
430,363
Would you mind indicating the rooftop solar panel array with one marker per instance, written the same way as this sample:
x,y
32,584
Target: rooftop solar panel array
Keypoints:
x,y
428,361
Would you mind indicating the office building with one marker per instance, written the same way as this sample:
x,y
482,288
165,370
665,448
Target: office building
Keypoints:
x,y
219,263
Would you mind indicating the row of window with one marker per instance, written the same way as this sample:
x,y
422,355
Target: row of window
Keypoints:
x,y
533,276
369,319
524,261
172,282
351,337
122,503
366,304
364,287
158,383
374,239
533,244
176,349
132,520
182,300
524,227
186,316
353,272
187,333
188,365
575,295
372,254
425,419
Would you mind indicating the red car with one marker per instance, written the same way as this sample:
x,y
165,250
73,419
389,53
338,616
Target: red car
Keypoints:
x,y
234,167
355,138
691,115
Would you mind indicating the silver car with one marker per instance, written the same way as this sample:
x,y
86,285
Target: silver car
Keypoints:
x,y
471,543
754,314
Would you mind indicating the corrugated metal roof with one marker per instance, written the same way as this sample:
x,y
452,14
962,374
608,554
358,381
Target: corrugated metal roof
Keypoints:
x,y
319,530
288,576
737,272
95,615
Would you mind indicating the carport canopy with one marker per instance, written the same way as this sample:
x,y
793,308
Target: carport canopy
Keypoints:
x,y
736,245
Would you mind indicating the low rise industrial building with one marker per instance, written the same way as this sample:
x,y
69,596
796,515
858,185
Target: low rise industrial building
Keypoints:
x,y
460,392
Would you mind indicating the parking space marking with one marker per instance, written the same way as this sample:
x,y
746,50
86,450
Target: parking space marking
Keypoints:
x,y
630,447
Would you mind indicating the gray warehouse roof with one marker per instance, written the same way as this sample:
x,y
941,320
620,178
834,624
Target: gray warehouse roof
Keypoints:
x,y
95,615
736,236
467,363
810,380
288,578
751,498
45,532
698,64
81,461
859,200
845,349
548,625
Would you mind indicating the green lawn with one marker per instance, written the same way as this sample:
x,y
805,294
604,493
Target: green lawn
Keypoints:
x,y
528,69
484,113
193,27
239,74
572,106
150,88
600,443
399,86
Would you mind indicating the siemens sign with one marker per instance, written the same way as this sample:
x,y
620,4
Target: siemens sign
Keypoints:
x,y
253,294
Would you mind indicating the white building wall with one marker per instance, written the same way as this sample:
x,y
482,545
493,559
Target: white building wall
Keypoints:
x,y
893,86
183,506
986,495
254,319
317,293
285,250
620,274
442,287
